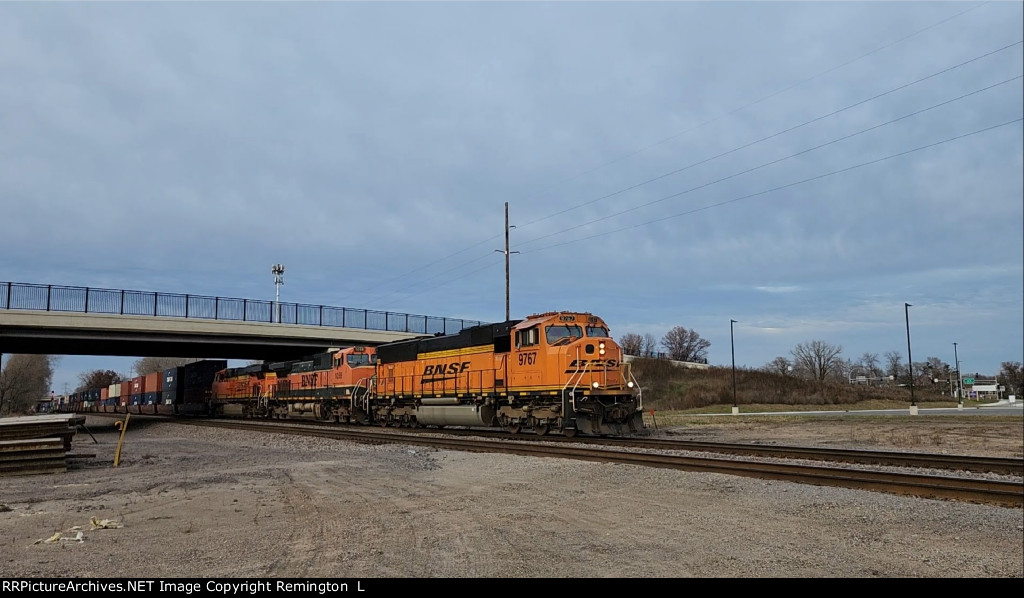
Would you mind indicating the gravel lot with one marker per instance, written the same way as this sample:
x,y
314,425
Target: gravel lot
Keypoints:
x,y
199,502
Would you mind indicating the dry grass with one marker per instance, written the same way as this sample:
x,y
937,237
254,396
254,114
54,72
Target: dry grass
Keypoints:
x,y
667,387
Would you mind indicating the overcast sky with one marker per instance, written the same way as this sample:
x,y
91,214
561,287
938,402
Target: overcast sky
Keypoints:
x,y
804,168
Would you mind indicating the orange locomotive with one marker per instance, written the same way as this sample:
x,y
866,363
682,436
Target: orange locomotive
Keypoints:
x,y
552,372
332,386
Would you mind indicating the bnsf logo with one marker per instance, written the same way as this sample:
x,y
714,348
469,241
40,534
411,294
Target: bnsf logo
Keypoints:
x,y
445,368
594,363
309,380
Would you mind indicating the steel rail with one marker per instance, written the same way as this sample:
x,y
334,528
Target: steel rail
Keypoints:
x,y
992,492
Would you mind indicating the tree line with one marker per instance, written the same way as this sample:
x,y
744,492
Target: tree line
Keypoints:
x,y
820,360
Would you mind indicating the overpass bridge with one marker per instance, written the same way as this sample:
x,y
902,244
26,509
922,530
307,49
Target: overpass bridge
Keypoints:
x,y
67,320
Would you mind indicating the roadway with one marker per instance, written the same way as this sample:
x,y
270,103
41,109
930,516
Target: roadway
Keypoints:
x,y
1003,407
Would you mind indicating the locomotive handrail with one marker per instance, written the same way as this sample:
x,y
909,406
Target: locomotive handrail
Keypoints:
x,y
62,298
580,370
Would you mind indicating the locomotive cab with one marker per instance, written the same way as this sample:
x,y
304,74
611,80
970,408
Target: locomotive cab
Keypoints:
x,y
572,358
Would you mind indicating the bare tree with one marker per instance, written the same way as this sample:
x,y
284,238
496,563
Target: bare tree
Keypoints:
x,y
869,361
148,365
893,364
649,347
843,369
631,343
24,380
1012,377
816,359
686,345
779,365
97,379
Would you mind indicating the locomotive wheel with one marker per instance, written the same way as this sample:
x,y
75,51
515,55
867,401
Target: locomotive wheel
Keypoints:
x,y
541,429
569,432
514,428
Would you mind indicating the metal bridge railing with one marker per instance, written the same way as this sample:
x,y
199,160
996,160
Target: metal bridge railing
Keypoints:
x,y
59,298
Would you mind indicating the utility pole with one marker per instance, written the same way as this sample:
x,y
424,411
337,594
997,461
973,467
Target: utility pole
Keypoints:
x,y
959,380
910,359
507,253
732,345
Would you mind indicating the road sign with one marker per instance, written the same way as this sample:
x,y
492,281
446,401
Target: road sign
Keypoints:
x,y
968,380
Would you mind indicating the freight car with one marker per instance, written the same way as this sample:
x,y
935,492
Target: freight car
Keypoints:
x,y
555,372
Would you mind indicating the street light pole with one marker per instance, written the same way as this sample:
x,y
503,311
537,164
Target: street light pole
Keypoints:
x,y
732,345
910,359
959,384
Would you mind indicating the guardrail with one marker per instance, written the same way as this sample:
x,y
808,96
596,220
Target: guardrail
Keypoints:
x,y
60,298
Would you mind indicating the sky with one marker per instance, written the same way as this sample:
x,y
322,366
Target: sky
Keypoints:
x,y
803,168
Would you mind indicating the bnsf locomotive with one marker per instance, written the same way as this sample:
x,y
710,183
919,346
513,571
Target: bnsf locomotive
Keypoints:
x,y
556,372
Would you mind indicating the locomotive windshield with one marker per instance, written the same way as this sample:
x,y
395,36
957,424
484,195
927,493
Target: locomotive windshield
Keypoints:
x,y
357,359
562,334
597,331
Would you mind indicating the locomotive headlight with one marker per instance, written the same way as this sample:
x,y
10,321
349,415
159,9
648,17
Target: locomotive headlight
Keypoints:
x,y
600,347
595,385
629,384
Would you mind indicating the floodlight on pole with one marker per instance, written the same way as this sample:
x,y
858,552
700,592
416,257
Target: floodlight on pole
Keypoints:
x,y
278,271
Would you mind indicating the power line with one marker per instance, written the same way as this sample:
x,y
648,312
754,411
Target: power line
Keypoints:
x,y
776,161
754,103
731,151
772,136
786,186
645,148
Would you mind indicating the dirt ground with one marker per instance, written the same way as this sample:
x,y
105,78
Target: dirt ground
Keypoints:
x,y
205,503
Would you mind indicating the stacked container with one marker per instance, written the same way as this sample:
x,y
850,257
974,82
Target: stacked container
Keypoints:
x,y
154,383
196,379
113,394
171,393
126,393
138,390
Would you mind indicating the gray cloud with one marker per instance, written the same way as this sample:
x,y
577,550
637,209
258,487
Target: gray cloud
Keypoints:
x,y
370,147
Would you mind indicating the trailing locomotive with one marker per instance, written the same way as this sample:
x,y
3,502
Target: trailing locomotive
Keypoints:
x,y
332,386
555,372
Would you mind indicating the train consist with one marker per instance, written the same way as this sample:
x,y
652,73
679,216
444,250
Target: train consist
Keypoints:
x,y
556,372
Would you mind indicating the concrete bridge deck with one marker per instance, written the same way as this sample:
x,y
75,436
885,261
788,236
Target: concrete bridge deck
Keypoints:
x,y
65,333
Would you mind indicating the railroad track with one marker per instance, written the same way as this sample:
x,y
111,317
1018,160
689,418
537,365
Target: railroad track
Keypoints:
x,y
982,491
978,464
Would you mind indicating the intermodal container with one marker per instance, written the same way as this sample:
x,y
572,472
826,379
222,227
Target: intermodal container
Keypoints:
x,y
138,386
104,395
137,399
150,398
197,379
154,382
200,374
172,387
171,376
